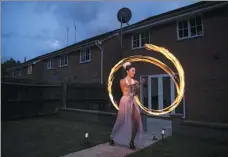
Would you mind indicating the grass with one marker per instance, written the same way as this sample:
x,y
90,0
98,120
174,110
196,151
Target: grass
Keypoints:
x,y
53,137
181,146
48,137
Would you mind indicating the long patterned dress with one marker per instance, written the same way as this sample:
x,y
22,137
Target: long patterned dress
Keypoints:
x,y
128,114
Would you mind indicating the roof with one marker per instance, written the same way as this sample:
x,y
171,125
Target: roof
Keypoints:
x,y
126,29
176,13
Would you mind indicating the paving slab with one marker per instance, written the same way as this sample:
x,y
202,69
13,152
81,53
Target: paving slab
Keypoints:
x,y
154,127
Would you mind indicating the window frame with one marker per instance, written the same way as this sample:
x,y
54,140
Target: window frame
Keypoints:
x,y
28,70
140,39
189,27
49,64
83,54
65,58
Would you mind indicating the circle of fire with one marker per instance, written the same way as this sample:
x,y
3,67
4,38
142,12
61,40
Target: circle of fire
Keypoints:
x,y
180,87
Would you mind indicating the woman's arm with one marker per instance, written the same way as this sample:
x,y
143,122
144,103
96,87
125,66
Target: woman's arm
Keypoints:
x,y
122,85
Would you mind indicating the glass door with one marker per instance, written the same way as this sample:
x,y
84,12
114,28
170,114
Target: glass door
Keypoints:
x,y
159,92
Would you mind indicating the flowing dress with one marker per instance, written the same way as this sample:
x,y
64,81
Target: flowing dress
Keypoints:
x,y
129,114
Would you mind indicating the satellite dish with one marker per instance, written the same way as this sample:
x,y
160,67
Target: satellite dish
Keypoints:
x,y
124,15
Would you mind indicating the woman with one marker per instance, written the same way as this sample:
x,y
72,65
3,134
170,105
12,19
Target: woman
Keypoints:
x,y
128,128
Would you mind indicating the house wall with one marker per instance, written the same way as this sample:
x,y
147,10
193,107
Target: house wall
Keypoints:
x,y
112,55
36,75
204,60
75,71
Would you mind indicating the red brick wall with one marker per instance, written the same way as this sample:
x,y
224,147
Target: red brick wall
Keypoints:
x,y
75,71
206,77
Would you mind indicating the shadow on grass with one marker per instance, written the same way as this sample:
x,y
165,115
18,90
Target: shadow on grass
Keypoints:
x,y
49,137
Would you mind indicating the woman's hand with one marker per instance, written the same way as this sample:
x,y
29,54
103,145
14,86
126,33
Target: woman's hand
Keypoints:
x,y
143,80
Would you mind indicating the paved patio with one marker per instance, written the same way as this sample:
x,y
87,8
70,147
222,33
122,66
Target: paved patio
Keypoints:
x,y
154,127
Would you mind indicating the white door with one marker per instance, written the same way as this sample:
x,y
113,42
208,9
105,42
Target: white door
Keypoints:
x,y
159,92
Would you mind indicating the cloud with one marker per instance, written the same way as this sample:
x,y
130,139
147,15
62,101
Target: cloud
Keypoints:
x,y
54,44
34,28
10,35
93,18
42,35
82,12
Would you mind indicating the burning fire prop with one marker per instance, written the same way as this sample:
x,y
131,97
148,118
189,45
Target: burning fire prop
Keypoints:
x,y
178,81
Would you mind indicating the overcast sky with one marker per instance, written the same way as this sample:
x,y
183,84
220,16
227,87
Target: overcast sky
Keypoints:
x,y
30,29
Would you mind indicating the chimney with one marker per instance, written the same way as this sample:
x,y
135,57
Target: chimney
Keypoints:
x,y
25,59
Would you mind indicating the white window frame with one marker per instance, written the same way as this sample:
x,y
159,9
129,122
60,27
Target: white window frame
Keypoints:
x,y
189,28
65,58
29,70
49,64
84,53
160,91
140,40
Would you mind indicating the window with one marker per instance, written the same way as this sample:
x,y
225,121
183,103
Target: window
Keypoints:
x,y
30,69
85,56
192,27
139,39
196,26
63,61
183,29
50,64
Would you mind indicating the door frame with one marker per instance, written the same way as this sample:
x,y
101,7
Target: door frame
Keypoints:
x,y
160,92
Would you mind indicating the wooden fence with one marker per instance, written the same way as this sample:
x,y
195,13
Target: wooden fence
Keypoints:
x,y
27,100
21,100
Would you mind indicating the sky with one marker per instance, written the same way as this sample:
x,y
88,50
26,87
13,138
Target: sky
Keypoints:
x,y
31,29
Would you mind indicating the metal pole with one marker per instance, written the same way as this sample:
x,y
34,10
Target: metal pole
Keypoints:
x,y
64,94
75,28
67,36
121,40
102,62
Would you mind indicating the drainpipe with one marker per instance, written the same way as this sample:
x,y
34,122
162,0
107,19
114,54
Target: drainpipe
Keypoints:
x,y
98,43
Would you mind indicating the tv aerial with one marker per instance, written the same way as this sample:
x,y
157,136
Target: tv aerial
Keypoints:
x,y
124,15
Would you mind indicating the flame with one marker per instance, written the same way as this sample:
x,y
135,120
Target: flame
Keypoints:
x,y
137,58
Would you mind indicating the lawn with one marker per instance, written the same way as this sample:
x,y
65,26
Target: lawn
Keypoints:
x,y
48,137
181,146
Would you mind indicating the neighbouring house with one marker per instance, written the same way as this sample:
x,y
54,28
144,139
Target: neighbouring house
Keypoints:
x,y
196,34
82,62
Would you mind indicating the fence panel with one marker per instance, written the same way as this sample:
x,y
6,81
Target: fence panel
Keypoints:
x,y
88,97
26,100
20,100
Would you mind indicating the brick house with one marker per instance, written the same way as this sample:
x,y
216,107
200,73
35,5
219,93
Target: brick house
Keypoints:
x,y
80,62
197,35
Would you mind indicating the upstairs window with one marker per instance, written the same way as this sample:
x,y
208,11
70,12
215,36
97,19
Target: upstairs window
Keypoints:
x,y
30,69
85,56
190,28
50,64
63,61
196,26
139,39
183,29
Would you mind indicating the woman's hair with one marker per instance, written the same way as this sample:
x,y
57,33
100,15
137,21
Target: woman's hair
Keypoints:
x,y
127,66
